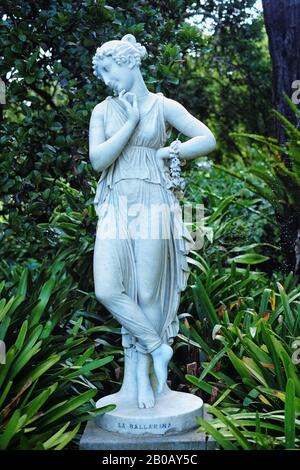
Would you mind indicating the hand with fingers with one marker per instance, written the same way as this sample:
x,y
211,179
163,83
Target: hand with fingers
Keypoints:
x,y
131,106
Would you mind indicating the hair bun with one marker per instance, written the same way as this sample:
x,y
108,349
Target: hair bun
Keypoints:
x,y
131,39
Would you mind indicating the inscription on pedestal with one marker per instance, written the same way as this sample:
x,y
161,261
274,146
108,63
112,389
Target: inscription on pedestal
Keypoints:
x,y
174,412
144,427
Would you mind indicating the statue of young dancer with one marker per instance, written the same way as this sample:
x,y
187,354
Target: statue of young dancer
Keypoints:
x,y
140,265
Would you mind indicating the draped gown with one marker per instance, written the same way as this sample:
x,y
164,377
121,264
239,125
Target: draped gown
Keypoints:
x,y
136,177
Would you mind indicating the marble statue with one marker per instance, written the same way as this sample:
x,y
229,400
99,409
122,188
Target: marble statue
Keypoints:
x,y
140,265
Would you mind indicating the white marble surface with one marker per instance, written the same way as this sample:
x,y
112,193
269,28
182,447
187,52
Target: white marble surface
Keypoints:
x,y
95,438
139,279
174,412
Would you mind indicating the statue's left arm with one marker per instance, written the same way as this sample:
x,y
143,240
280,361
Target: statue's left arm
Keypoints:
x,y
202,140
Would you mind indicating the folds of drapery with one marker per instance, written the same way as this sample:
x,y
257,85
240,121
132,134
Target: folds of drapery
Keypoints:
x,y
137,161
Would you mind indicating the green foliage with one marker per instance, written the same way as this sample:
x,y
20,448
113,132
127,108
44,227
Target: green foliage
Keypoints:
x,y
281,175
48,381
277,180
238,322
47,51
228,81
248,371
233,209
238,326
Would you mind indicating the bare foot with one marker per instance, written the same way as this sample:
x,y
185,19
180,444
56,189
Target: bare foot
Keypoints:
x,y
145,395
145,392
161,357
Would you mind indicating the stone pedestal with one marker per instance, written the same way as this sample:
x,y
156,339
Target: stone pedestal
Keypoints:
x,y
95,438
170,425
173,412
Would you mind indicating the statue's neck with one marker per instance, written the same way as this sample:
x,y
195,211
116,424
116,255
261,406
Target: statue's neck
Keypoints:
x,y
139,88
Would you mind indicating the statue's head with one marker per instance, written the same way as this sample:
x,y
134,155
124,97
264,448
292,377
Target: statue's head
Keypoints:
x,y
116,62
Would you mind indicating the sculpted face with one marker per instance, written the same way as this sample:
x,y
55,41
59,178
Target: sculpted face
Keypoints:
x,y
117,77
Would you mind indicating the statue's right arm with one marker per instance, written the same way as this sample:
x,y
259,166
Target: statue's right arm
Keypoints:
x,y
103,153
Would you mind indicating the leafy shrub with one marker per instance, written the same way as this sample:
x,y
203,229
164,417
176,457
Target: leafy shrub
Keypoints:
x,y
248,371
52,370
